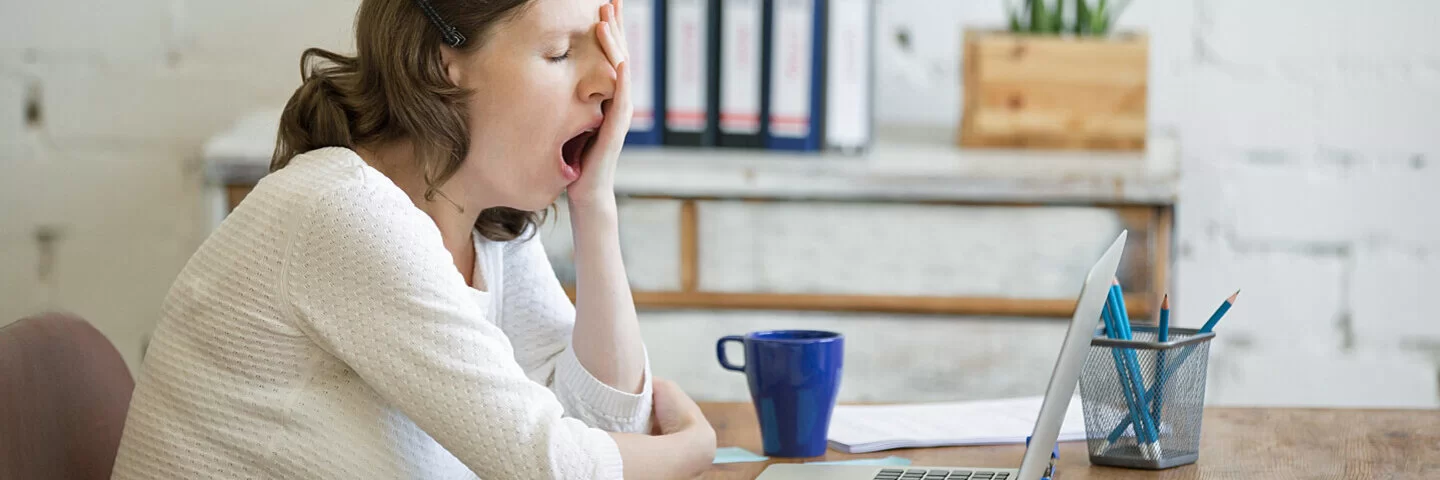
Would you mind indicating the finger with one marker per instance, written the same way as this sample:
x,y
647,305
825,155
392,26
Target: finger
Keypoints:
x,y
620,20
622,84
608,14
617,109
609,45
620,13
620,100
611,137
685,406
668,398
604,20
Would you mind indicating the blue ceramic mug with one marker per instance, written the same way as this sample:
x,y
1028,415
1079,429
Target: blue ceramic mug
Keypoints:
x,y
794,377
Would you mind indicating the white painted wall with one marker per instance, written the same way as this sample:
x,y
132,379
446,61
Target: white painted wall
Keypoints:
x,y
1311,166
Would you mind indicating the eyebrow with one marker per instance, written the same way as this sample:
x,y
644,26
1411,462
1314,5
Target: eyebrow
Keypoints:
x,y
552,34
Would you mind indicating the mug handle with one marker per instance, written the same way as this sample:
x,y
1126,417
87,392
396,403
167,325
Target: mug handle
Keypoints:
x,y
720,352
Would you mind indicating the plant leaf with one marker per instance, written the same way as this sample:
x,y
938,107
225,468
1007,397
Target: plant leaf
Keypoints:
x,y
1037,16
1012,14
1114,14
1057,18
1099,20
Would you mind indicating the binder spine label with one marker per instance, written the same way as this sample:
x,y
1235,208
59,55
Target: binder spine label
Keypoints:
x,y
790,92
848,79
685,98
740,60
640,36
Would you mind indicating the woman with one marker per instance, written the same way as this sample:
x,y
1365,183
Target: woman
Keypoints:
x,y
379,306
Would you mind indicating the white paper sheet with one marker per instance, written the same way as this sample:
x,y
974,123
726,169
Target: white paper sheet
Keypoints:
x,y
869,428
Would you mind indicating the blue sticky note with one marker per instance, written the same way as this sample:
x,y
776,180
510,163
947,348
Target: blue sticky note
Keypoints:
x,y
736,455
890,460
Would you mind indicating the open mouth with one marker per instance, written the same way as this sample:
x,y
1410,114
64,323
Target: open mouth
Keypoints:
x,y
572,149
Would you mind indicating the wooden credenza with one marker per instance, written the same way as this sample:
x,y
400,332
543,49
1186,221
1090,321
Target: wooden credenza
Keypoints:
x,y
907,166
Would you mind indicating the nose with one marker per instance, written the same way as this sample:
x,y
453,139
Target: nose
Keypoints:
x,y
597,80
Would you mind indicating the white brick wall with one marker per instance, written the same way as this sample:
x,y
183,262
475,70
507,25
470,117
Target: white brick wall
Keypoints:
x,y
12,115
181,105
1379,110
1392,290
1290,300
262,33
24,294
1369,379
1286,202
137,31
1318,32
127,219
1311,166
1281,196
649,242
874,249
1307,182
1235,107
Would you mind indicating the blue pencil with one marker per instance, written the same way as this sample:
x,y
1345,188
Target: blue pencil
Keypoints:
x,y
1173,367
1127,385
1119,295
1219,312
1162,335
1146,435
1164,332
1208,327
1150,427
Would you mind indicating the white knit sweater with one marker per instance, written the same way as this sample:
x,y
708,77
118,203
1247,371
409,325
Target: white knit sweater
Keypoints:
x,y
322,331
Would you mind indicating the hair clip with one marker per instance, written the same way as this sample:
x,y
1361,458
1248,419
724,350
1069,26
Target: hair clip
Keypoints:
x,y
451,36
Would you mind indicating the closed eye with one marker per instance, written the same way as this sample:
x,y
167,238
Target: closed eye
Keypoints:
x,y
560,58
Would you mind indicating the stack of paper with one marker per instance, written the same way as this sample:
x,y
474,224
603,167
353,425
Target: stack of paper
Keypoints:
x,y
870,428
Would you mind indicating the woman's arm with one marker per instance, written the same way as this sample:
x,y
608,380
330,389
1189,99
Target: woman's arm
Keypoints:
x,y
607,333
685,448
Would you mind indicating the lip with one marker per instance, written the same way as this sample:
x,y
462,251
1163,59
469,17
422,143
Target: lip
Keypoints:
x,y
593,125
572,172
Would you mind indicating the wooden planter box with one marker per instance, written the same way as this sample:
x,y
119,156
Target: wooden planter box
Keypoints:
x,y
1052,92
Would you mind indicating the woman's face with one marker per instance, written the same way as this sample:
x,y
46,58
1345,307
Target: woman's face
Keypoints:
x,y
538,81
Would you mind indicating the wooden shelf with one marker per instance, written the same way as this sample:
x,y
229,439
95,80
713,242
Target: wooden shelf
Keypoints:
x,y
1137,306
907,165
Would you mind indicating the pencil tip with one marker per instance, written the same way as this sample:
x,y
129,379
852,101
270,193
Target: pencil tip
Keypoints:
x,y
1165,302
1114,280
1233,296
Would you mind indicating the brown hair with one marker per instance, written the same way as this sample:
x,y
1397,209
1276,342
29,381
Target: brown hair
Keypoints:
x,y
395,87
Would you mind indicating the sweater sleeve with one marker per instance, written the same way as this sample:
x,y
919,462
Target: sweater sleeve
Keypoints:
x,y
370,282
538,316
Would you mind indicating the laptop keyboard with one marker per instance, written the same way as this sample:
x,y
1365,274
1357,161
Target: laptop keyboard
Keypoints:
x,y
940,474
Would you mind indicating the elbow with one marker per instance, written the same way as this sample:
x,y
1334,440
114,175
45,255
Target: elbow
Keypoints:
x,y
576,451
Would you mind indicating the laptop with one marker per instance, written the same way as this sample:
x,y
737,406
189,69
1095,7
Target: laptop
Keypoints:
x,y
1036,462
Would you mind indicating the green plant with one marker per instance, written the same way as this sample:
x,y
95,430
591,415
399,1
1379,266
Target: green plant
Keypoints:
x,y
1054,17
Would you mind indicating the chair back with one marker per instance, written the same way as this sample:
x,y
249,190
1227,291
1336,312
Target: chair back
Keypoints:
x,y
64,394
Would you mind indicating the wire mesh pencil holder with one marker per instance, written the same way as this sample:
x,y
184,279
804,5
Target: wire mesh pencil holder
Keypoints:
x,y
1153,424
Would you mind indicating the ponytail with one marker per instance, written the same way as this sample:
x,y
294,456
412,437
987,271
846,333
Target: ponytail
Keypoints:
x,y
321,111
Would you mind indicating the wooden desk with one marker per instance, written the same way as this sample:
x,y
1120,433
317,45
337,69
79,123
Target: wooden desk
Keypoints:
x,y
1238,443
